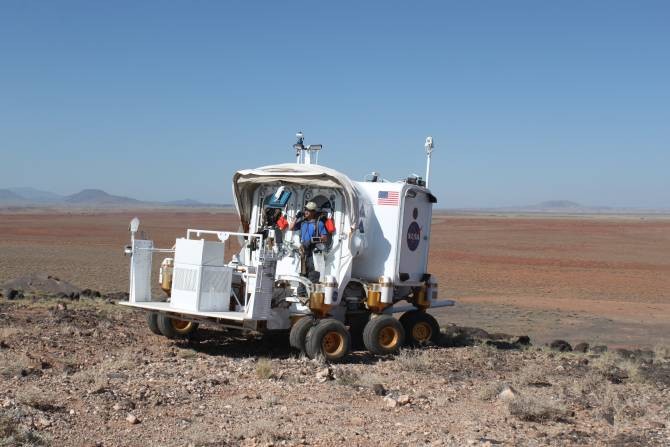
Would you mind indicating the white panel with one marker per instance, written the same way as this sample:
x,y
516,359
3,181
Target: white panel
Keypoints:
x,y
414,238
185,282
381,233
140,271
199,252
260,304
185,278
215,289
201,288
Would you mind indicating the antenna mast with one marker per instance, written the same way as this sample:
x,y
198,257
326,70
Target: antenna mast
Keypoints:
x,y
429,152
306,155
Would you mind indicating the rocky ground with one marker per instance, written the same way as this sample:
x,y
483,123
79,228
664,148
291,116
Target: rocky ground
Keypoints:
x,y
87,372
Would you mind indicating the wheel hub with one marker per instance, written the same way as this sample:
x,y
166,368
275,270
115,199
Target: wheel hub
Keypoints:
x,y
180,325
388,337
333,343
422,331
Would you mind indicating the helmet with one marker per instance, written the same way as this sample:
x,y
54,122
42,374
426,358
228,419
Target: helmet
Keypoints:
x,y
311,206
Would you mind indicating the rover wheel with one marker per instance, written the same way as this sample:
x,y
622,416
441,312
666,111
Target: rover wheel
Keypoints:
x,y
329,338
152,322
299,332
420,328
174,327
383,335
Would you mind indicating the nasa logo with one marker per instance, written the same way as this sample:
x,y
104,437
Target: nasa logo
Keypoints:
x,y
413,236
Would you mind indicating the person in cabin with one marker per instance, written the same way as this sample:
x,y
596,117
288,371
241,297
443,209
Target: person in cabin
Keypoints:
x,y
312,232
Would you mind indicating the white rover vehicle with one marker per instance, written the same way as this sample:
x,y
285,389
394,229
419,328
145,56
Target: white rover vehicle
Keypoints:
x,y
371,265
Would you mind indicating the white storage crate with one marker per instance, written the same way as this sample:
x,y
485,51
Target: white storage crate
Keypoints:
x,y
200,282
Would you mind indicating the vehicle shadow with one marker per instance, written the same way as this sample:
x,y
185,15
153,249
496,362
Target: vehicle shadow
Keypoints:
x,y
275,345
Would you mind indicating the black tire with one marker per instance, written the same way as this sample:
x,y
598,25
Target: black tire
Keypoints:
x,y
152,322
328,338
383,335
420,328
175,328
299,331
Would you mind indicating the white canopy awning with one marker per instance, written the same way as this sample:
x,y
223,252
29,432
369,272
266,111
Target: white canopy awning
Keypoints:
x,y
245,182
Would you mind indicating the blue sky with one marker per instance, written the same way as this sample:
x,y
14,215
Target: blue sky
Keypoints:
x,y
527,101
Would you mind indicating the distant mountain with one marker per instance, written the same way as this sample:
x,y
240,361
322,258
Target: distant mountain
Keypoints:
x,y
37,195
185,202
99,197
556,205
10,197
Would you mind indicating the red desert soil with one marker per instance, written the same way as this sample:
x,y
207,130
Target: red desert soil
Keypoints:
x,y
602,279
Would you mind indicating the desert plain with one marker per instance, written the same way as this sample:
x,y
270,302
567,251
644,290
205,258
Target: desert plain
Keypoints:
x,y
599,278
89,372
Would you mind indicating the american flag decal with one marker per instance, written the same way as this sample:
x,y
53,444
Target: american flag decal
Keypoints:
x,y
388,198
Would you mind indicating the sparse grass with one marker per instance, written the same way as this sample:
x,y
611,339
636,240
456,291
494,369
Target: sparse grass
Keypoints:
x,y
490,391
533,374
263,431
187,354
96,376
126,360
632,369
415,360
12,365
100,306
264,368
12,434
8,332
661,353
40,399
537,409
347,377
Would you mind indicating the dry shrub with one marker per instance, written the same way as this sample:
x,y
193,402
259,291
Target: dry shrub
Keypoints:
x,y
37,398
261,430
8,332
12,434
415,360
661,353
15,364
537,409
264,368
617,406
533,374
347,377
96,376
491,390
589,384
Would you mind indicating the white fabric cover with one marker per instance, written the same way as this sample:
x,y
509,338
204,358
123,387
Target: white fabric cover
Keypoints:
x,y
244,183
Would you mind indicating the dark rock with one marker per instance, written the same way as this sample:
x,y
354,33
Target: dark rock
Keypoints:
x,y
503,345
90,293
117,296
379,389
522,340
636,354
13,294
463,336
581,347
615,375
3,345
599,349
560,346
608,415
